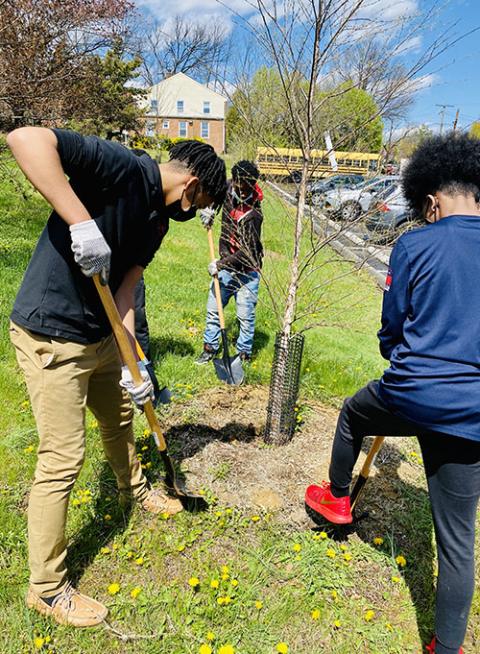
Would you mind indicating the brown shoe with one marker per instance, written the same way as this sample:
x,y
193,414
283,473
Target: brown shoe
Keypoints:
x,y
69,607
159,502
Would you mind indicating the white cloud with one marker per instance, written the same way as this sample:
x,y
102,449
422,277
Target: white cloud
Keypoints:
x,y
195,8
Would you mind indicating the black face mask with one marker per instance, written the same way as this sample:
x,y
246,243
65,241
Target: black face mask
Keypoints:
x,y
175,211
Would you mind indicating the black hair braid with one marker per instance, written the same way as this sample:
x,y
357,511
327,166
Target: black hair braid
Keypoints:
x,y
448,163
202,160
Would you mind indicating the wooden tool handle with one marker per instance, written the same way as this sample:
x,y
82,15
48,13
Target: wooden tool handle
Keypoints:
x,y
376,445
127,354
216,283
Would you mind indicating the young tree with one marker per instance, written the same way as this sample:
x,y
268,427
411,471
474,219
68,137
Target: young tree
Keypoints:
x,y
303,40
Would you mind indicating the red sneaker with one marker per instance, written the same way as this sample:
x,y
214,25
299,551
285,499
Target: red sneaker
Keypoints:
x,y
431,648
334,509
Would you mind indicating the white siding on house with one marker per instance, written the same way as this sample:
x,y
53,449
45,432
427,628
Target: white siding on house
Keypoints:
x,y
196,97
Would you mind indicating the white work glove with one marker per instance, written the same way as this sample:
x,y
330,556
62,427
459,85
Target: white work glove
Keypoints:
x,y
90,249
212,268
143,392
207,217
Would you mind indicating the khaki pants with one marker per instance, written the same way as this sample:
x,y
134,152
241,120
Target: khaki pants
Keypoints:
x,y
63,378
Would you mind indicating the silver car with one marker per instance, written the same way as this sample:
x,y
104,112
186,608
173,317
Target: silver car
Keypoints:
x,y
349,204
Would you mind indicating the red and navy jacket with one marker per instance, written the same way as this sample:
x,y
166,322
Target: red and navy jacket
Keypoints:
x,y
240,244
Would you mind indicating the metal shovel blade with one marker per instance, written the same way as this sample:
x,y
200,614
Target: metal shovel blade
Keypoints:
x,y
229,370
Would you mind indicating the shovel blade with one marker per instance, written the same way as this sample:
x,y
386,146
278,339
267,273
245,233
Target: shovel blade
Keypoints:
x,y
229,370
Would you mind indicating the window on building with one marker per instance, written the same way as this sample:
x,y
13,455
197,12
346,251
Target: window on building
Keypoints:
x,y
150,128
182,128
206,107
154,106
166,124
180,106
205,129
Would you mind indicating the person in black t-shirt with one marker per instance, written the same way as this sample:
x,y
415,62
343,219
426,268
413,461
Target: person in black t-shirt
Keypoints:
x,y
109,218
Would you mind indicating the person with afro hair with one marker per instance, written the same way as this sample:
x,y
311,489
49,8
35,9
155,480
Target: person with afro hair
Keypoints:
x,y
430,334
240,261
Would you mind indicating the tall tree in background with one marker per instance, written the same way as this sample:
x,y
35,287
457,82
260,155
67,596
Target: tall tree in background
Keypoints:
x,y
43,50
105,100
183,45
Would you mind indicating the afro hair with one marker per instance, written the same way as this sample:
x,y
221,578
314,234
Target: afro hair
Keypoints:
x,y
246,170
449,163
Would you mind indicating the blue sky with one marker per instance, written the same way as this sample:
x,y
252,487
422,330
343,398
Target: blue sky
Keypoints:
x,y
456,73
452,79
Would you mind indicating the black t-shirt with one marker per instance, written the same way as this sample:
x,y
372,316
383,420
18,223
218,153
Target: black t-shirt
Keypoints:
x,y
123,194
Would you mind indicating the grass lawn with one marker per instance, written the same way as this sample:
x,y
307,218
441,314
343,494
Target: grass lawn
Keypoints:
x,y
230,580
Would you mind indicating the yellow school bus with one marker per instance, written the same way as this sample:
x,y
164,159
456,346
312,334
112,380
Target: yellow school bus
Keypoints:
x,y
287,162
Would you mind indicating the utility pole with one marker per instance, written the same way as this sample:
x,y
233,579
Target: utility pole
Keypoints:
x,y
455,122
442,114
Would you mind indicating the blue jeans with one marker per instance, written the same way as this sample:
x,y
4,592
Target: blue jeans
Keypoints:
x,y
244,288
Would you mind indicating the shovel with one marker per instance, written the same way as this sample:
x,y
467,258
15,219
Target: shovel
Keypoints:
x,y
189,501
365,471
228,369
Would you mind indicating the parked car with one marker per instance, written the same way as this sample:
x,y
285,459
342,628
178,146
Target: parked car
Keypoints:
x,y
318,187
348,204
389,217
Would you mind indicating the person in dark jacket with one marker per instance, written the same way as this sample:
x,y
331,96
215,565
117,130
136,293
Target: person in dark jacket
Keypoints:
x,y
431,335
111,211
240,261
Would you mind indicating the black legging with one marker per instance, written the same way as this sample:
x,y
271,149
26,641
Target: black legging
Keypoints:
x,y
452,467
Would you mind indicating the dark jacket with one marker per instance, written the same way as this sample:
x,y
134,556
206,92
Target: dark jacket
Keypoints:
x,y
240,245
431,327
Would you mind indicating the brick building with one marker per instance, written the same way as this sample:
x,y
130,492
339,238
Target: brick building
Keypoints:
x,y
180,106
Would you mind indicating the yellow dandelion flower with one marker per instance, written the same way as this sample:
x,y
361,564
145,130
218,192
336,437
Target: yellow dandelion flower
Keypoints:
x,y
323,535
146,432
164,515
316,537
224,569
115,547
194,582
401,561
315,614
214,584
225,576
105,550
227,599
25,404
226,649
39,642
255,518
369,615
28,450
135,592
218,514
343,547
282,648
205,649
180,547
347,556
139,561
234,582
396,580
334,594
113,589
378,541
389,626
330,553
259,605
337,624
130,554
210,636
220,600
76,502
297,547
107,517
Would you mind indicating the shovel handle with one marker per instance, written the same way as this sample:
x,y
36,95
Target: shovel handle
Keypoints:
x,y
127,354
216,283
